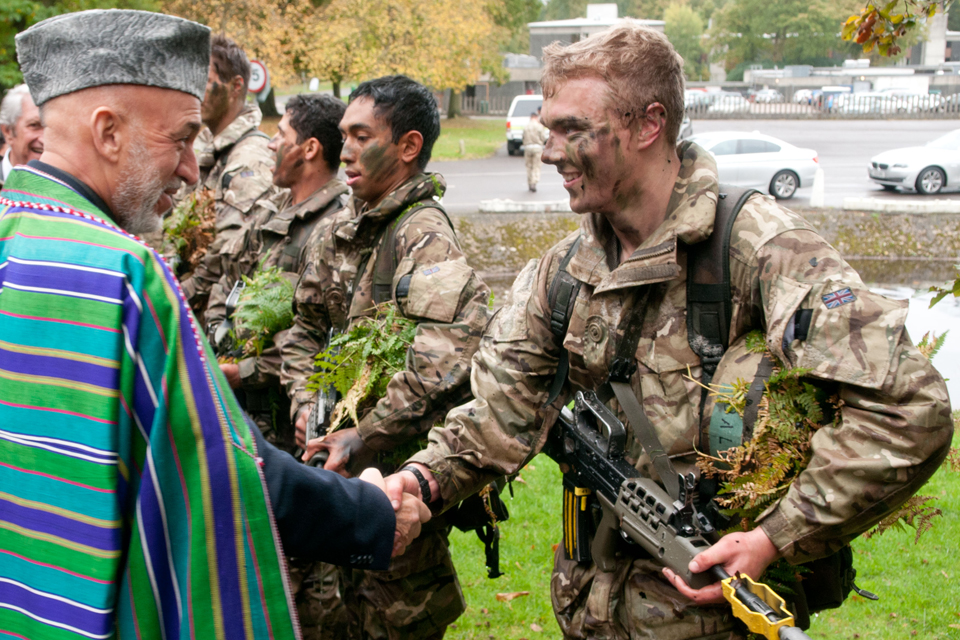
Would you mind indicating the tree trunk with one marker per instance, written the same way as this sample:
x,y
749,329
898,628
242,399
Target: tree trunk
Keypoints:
x,y
454,109
269,106
336,89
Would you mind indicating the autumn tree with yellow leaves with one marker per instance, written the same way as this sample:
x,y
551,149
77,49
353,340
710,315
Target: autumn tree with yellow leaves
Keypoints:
x,y
445,44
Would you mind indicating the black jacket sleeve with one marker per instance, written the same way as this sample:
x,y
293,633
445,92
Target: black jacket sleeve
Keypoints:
x,y
323,516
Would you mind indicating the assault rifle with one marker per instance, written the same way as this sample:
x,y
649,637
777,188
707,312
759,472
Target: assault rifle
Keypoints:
x,y
589,444
318,422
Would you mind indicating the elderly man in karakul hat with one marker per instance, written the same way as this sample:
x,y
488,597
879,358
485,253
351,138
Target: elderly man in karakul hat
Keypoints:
x,y
135,499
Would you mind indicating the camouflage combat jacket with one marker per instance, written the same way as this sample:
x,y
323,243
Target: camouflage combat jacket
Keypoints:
x,y
896,424
445,295
237,167
280,235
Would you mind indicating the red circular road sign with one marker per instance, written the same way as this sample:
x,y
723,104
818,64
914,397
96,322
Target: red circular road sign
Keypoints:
x,y
258,77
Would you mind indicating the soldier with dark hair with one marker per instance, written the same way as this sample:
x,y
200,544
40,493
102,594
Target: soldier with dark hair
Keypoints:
x,y
394,243
279,234
235,161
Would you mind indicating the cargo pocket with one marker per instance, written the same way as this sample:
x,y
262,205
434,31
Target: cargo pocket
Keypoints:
x,y
433,292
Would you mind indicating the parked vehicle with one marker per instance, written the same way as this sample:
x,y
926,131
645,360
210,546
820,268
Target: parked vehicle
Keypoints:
x,y
517,117
728,103
768,96
911,101
929,169
803,96
759,161
686,128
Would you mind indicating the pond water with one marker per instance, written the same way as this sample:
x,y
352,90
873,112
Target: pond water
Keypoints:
x,y
944,316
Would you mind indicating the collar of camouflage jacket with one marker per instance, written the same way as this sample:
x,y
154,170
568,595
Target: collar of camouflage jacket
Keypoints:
x,y
315,203
423,186
210,147
690,215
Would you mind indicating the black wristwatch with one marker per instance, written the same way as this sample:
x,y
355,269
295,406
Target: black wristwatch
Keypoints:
x,y
425,493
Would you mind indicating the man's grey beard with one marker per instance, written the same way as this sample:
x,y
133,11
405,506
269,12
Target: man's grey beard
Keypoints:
x,y
138,190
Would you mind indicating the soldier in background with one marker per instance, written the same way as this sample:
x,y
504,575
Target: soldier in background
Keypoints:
x,y
394,244
235,163
22,130
307,146
613,103
534,135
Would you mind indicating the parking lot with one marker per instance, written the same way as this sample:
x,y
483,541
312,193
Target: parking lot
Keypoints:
x,y
844,148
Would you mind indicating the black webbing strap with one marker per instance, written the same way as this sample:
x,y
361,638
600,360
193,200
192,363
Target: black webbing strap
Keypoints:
x,y
562,295
387,261
709,297
754,395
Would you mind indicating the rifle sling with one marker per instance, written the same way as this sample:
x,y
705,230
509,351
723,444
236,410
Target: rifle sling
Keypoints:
x,y
621,370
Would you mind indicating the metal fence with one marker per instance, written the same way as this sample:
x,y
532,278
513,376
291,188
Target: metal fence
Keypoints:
x,y
474,106
843,105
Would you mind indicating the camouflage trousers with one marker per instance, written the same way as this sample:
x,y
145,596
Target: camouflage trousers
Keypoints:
x,y
634,601
415,599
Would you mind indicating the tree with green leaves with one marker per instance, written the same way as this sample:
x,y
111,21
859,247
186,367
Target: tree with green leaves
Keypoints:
x,y
17,15
684,29
785,32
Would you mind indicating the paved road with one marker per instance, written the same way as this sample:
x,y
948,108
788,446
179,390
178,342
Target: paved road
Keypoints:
x,y
844,147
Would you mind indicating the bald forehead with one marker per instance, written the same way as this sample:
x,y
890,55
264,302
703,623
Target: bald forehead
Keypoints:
x,y
137,102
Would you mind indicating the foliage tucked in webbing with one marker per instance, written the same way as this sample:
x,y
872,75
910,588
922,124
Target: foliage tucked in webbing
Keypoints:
x,y
758,473
190,228
360,363
265,307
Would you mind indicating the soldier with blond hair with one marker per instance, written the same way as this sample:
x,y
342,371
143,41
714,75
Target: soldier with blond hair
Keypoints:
x,y
613,104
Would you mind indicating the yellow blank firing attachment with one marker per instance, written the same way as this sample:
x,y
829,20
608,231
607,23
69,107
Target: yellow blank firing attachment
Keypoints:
x,y
757,622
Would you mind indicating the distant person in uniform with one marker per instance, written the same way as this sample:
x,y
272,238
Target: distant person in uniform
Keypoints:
x,y
21,128
534,136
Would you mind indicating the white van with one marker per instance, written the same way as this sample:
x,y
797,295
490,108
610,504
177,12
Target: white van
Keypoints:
x,y
517,118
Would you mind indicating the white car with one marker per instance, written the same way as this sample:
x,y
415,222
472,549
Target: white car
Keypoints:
x,y
729,104
517,118
760,162
929,169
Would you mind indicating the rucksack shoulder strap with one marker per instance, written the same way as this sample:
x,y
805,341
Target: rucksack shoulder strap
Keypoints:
x,y
709,297
387,261
563,292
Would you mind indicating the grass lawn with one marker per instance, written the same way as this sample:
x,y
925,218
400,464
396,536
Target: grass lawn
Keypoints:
x,y
481,138
918,584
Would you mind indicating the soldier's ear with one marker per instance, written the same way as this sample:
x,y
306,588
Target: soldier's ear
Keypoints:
x,y
311,149
238,88
410,145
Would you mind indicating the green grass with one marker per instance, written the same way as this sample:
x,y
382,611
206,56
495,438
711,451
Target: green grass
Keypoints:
x,y
918,584
526,558
481,138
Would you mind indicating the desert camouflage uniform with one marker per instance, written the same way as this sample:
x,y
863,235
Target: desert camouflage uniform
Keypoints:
x,y
419,595
238,167
278,235
534,137
896,414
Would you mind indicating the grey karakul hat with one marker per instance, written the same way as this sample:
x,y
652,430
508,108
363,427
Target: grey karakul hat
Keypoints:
x,y
86,49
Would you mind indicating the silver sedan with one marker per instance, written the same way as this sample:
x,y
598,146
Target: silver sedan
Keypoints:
x,y
760,162
929,169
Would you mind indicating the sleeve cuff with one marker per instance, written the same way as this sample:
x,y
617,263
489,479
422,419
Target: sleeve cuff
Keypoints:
x,y
784,537
248,371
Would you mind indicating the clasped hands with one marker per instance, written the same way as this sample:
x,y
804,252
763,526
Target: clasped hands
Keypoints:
x,y
345,445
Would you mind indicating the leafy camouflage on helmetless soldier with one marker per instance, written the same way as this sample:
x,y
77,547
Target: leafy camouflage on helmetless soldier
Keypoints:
x,y
419,595
896,414
442,349
249,163
276,235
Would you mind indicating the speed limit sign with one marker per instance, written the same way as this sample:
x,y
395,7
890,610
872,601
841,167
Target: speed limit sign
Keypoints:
x,y
258,77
